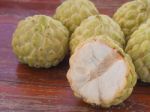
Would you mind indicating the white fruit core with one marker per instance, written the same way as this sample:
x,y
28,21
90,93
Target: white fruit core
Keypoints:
x,y
97,72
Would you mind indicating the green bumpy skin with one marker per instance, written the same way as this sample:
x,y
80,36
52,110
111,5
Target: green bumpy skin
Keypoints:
x,y
72,12
131,15
138,47
40,41
97,25
131,77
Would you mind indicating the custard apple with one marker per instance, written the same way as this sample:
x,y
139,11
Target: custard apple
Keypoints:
x,y
72,12
131,15
40,41
97,25
101,73
138,47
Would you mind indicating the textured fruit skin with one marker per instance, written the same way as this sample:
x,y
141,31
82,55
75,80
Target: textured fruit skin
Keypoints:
x,y
97,25
72,12
131,77
40,41
131,15
138,47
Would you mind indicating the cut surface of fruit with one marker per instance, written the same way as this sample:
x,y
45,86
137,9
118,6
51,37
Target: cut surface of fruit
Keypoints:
x,y
98,73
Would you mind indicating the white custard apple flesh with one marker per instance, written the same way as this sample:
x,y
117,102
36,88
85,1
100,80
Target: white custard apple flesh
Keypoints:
x,y
97,25
131,15
72,12
101,73
138,47
40,41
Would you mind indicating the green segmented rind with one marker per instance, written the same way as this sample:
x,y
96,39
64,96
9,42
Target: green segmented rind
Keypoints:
x,y
72,12
138,47
97,25
131,15
40,41
131,75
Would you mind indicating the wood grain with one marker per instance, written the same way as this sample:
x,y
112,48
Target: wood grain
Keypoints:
x,y
25,89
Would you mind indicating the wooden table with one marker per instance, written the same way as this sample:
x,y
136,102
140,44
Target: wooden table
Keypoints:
x,y
24,89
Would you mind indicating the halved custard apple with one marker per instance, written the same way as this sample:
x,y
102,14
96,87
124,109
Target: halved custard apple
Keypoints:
x,y
101,73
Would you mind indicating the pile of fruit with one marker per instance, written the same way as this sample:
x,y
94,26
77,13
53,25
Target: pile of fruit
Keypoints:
x,y
107,55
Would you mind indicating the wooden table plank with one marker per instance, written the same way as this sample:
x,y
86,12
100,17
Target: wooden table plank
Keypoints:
x,y
25,89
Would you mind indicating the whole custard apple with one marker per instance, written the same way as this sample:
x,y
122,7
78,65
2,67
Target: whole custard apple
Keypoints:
x,y
101,73
72,12
97,25
138,47
131,15
40,41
